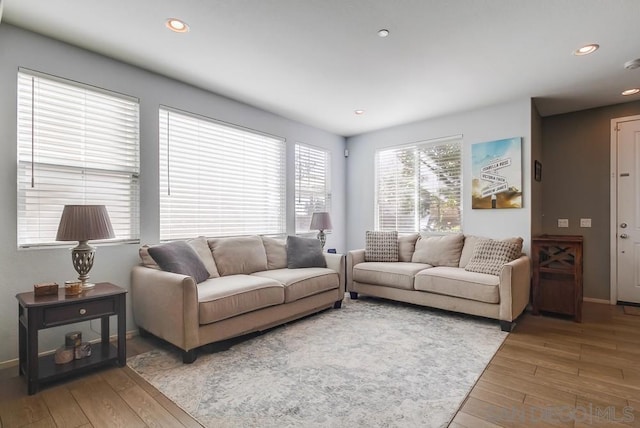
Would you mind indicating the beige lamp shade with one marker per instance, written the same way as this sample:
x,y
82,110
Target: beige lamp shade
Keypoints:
x,y
321,221
84,223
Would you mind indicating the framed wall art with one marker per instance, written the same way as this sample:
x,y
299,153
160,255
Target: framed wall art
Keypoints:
x,y
497,174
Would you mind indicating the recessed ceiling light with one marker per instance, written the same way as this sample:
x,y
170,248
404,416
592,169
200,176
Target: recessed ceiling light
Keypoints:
x,y
383,33
177,25
586,50
633,64
359,112
631,91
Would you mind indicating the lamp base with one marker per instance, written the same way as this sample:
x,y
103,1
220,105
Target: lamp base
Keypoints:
x,y
88,285
322,238
82,256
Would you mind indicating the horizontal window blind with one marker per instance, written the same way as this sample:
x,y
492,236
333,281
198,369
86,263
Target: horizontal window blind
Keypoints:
x,y
418,187
218,180
76,145
312,187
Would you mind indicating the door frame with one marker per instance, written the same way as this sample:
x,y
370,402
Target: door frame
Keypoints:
x,y
613,204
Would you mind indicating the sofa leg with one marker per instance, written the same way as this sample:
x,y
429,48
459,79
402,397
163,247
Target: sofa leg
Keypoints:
x,y
143,333
507,325
354,295
189,357
337,304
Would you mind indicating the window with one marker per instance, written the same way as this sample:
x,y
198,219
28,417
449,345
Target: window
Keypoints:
x,y
418,187
77,144
218,179
313,189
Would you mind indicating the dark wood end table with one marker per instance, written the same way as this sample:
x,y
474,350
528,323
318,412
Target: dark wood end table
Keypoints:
x,y
41,312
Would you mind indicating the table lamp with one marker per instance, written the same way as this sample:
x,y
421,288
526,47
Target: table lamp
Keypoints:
x,y
321,221
83,223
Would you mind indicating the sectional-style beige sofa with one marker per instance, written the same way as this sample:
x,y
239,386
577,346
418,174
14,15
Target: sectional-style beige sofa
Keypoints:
x,y
249,288
445,282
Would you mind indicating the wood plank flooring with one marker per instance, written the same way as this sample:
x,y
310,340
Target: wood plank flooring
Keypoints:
x,y
554,372
550,372
111,397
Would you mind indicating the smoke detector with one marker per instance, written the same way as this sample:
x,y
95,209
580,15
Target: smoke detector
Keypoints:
x,y
632,65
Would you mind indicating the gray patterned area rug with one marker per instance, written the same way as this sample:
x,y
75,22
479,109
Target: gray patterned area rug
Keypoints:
x,y
373,363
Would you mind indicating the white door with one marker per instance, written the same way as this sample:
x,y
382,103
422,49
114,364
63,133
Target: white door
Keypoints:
x,y
628,211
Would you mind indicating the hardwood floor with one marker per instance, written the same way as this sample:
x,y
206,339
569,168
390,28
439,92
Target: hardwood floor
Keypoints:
x,y
548,372
111,397
554,372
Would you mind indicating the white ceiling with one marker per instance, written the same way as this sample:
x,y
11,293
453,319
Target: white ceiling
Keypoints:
x,y
316,61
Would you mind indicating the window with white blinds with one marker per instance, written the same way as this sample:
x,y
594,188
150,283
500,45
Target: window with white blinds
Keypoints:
x,y
77,145
218,179
313,186
418,187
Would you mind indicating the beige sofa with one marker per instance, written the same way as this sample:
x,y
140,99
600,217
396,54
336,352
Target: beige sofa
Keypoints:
x,y
503,296
249,289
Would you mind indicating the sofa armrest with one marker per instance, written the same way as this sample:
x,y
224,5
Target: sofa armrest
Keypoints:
x,y
166,304
337,263
353,258
515,283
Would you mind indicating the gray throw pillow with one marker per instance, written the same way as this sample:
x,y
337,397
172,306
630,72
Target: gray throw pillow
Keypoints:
x,y
179,257
304,252
381,246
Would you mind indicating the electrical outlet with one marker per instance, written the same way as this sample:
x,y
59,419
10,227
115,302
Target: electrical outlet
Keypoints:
x,y
563,222
585,222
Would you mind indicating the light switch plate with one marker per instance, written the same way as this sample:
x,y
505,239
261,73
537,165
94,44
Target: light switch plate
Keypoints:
x,y
563,222
585,222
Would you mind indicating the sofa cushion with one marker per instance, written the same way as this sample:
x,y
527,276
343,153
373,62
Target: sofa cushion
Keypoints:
x,y
300,283
276,250
304,253
201,246
457,282
381,246
406,246
442,250
179,257
241,255
228,296
467,249
470,242
490,255
395,275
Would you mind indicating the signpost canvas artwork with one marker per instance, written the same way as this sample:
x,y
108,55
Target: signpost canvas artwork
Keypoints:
x,y
497,174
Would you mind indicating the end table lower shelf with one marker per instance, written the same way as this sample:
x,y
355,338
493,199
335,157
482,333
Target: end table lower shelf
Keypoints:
x,y
101,355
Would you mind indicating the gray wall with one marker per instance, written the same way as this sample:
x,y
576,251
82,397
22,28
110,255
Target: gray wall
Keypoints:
x,y
536,186
19,269
576,182
506,120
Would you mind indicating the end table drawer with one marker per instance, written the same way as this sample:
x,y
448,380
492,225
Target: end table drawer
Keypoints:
x,y
78,312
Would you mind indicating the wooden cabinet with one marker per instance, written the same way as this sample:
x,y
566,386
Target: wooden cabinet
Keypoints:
x,y
557,275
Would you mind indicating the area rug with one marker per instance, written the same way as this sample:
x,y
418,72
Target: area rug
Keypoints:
x,y
373,363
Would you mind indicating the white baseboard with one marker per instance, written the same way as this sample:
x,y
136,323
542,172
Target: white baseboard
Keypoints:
x,y
14,362
593,300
